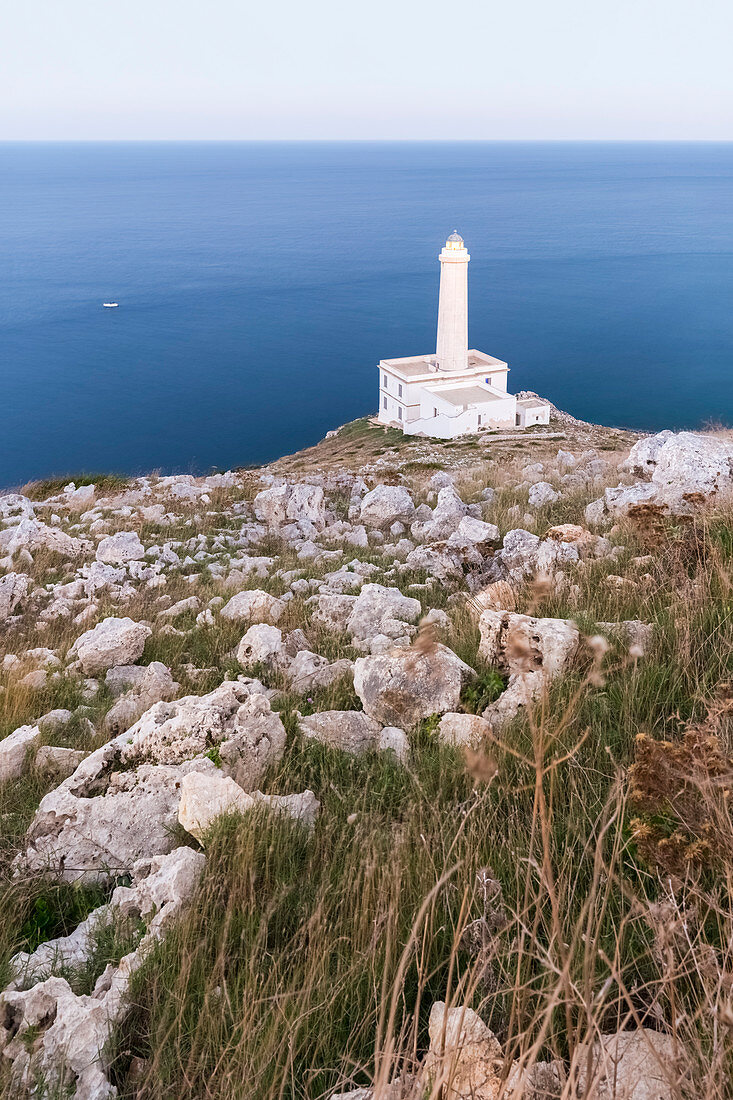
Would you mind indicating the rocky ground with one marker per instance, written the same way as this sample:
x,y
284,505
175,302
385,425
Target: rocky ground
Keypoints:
x,y
397,768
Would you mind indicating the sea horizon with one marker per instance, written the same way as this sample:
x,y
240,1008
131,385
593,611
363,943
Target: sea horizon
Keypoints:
x,y
601,271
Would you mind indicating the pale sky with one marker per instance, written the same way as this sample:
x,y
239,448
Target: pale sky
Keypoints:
x,y
220,69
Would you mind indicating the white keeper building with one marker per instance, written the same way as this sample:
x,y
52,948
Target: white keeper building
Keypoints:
x,y
456,391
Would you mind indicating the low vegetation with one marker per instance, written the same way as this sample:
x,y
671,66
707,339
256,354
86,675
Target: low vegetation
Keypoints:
x,y
570,876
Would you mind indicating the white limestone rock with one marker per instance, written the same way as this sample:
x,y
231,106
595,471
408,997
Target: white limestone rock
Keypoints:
x,y
464,1056
262,644
532,651
58,761
463,729
349,730
443,563
682,472
32,535
518,554
99,821
332,611
112,642
78,498
254,605
306,503
385,504
632,633
13,590
629,1065
249,734
121,547
155,684
542,493
393,739
51,1033
444,519
402,687
520,643
14,750
644,455
191,603
309,670
381,610
206,797
291,503
474,531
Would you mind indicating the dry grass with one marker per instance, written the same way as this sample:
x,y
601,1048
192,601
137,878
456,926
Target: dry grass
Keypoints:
x,y
525,880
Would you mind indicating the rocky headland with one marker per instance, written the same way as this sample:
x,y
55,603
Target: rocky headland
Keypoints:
x,y
394,769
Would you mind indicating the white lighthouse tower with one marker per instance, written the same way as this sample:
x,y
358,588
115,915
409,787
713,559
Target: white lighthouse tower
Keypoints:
x,y
452,346
457,390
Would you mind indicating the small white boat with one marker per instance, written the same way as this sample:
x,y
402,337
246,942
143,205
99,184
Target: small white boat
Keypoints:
x,y
110,305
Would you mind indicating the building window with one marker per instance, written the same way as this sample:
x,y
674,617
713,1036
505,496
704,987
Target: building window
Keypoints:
x,y
399,412
435,412
399,389
479,420
384,402
384,381
518,419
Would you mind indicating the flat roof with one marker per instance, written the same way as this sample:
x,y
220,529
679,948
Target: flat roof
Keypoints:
x,y
419,366
464,395
531,403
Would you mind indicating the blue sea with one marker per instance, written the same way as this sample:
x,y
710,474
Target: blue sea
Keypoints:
x,y
259,284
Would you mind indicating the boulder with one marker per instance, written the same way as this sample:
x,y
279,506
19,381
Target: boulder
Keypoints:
x,y
112,642
13,590
643,456
463,729
498,596
191,603
255,605
155,684
381,610
532,651
385,504
445,518
519,643
32,535
681,472
443,563
14,750
633,633
401,688
349,730
586,543
242,724
393,739
474,531
58,761
121,547
332,612
542,493
306,503
309,670
206,797
50,1034
518,554
262,644
464,1056
629,1065
96,824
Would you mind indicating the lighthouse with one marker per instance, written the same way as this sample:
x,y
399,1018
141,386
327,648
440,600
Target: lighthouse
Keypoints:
x,y
455,390
452,345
